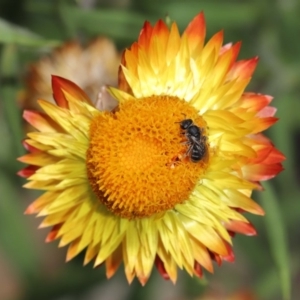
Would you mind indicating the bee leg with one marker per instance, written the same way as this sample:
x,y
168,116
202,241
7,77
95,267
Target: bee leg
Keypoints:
x,y
187,153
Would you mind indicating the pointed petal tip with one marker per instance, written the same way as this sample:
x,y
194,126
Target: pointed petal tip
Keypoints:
x,y
241,227
145,34
111,268
58,95
147,24
238,44
230,254
143,280
41,226
88,258
129,276
216,257
28,147
59,81
161,268
68,258
197,22
109,274
55,78
229,258
21,173
85,262
198,272
50,237
262,213
26,112
60,84
259,211
250,230
27,171
29,210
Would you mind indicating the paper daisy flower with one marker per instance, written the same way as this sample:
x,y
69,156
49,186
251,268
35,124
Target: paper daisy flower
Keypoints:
x,y
165,178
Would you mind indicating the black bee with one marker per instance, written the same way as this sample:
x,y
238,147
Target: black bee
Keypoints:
x,y
196,141
197,151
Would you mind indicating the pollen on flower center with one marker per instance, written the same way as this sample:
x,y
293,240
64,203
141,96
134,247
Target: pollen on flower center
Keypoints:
x,y
140,154
137,163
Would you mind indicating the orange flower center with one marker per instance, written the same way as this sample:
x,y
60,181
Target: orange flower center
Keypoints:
x,y
139,159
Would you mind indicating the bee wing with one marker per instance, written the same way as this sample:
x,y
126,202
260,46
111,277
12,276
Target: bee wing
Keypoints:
x,y
105,102
194,140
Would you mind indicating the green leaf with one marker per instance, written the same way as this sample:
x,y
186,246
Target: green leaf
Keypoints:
x,y
10,33
276,233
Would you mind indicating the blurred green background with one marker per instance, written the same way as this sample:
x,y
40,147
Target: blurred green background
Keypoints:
x,y
267,266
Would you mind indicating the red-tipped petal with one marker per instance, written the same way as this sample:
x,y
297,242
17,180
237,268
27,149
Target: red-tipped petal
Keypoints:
x,y
243,69
267,111
122,82
198,270
241,227
230,255
231,233
113,262
216,257
264,123
235,49
215,43
60,84
225,48
275,156
235,52
53,233
143,280
261,172
30,148
161,269
58,94
196,32
263,148
145,35
28,171
40,121
160,29
255,102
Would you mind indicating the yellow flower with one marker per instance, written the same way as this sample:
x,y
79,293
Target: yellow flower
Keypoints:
x,y
162,180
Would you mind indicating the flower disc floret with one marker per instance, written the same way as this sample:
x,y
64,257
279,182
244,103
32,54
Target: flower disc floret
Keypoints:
x,y
137,161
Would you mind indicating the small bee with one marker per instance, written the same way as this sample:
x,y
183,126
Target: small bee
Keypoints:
x,y
196,141
197,150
